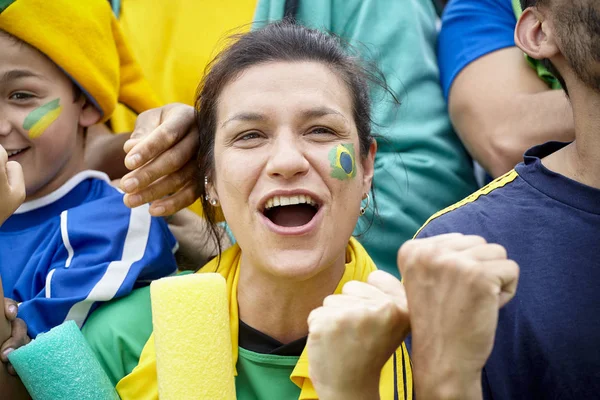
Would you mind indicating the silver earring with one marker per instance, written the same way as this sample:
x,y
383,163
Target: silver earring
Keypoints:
x,y
213,202
363,209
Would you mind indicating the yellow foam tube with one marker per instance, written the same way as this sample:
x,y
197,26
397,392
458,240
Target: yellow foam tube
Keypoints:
x,y
192,337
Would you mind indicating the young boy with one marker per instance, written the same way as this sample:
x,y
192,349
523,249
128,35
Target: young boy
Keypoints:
x,y
73,243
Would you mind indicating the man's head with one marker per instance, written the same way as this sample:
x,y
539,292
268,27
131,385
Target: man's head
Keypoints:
x,y
566,32
42,117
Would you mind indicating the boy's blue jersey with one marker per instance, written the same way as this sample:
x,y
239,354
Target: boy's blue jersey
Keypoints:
x,y
547,343
62,254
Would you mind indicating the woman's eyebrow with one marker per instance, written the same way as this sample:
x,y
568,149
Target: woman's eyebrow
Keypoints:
x,y
321,112
306,114
245,116
18,74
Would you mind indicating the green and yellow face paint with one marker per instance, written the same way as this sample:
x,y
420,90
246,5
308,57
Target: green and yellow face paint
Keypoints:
x,y
41,118
343,164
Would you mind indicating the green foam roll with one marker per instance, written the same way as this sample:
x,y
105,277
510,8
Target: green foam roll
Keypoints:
x,y
59,365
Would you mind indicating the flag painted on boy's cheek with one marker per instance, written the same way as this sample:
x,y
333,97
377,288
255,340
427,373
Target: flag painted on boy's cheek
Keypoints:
x,y
343,164
41,118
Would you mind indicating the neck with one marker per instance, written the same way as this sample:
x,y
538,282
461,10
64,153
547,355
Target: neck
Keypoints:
x,y
580,160
279,306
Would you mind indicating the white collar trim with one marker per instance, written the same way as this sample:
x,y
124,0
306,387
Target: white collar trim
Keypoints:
x,y
61,191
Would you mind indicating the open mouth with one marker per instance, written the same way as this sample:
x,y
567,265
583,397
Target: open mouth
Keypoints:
x,y
14,153
291,211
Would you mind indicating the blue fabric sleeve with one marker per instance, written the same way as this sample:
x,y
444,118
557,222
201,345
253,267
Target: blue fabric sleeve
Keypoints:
x,y
470,30
107,250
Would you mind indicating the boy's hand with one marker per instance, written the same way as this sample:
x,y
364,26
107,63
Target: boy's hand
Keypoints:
x,y
11,387
161,154
12,186
17,330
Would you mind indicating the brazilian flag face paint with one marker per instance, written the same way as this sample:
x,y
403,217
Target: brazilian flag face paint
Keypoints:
x,y
343,164
41,118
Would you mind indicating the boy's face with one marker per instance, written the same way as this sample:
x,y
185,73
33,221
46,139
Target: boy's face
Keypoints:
x,y
41,122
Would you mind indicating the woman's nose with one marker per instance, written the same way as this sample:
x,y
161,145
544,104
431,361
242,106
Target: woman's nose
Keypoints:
x,y
287,159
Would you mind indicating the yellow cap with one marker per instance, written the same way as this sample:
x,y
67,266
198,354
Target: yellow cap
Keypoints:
x,y
84,39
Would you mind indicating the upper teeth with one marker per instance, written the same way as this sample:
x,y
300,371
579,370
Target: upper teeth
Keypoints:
x,y
277,201
12,153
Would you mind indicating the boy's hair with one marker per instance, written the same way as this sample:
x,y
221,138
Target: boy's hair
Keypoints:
x,y
77,92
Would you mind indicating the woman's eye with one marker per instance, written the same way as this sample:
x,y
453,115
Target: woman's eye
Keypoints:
x,y
20,96
249,136
321,131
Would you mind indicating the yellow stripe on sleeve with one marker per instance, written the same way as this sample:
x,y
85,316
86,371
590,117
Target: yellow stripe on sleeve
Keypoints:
x,y
495,184
400,374
408,373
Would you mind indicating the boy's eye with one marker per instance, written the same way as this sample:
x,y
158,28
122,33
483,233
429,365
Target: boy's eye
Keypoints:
x,y
21,96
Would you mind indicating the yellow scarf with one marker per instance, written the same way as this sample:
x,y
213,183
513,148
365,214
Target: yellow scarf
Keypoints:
x,y
396,375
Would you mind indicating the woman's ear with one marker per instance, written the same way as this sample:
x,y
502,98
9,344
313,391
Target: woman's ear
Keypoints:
x,y
89,114
534,35
368,164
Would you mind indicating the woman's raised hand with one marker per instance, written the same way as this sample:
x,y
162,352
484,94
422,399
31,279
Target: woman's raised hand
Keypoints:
x,y
161,154
353,335
455,285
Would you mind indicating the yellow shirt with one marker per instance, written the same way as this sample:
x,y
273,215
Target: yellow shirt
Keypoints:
x,y
173,41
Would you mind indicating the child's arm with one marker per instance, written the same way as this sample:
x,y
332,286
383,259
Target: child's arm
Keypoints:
x,y
103,250
10,386
12,186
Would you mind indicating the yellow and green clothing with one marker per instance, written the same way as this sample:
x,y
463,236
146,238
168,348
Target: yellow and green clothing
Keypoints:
x,y
118,331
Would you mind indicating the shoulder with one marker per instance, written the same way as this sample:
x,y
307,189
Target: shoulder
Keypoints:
x,y
479,211
470,30
105,222
104,208
490,11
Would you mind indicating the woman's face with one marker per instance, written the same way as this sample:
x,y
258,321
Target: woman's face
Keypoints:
x,y
288,173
